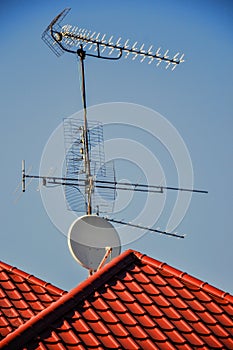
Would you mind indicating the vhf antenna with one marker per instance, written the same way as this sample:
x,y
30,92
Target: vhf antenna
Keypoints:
x,y
73,40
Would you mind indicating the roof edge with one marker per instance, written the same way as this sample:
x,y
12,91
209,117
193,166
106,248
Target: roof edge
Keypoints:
x,y
208,288
26,331
32,278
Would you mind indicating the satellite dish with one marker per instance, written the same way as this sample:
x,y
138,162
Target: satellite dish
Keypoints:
x,y
89,238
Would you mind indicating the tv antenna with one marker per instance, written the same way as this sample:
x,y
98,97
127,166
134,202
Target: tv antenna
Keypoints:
x,y
84,43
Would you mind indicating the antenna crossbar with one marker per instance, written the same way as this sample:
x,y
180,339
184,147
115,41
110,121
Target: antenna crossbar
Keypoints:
x,y
111,184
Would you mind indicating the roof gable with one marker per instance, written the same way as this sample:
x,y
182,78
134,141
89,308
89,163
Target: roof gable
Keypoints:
x,y
22,296
134,302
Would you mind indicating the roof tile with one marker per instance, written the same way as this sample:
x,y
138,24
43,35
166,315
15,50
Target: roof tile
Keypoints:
x,y
134,302
182,326
90,315
179,303
214,308
133,286
37,306
99,304
18,299
172,314
157,335
151,289
117,306
141,277
109,342
228,342
228,308
189,315
129,343
138,332
120,331
185,294
159,280
153,311
219,331
207,318
109,317
109,294
70,338
201,295
136,309
130,320
175,283
149,344
144,299
81,326
212,342
168,291
225,320
145,320
201,329
162,302
195,305
175,337
165,324
90,340
194,339
100,329
125,296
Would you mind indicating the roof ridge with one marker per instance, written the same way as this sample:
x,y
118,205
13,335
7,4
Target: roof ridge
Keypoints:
x,y
50,287
23,333
184,276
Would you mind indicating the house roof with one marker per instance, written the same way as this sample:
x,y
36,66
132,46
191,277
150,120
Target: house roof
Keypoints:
x,y
22,296
134,302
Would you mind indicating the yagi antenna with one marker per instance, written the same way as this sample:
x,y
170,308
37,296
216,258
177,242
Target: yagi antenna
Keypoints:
x,y
71,38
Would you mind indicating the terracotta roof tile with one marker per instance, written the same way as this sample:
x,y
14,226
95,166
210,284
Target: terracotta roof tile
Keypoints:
x,y
134,302
194,340
175,337
129,343
136,309
182,326
22,296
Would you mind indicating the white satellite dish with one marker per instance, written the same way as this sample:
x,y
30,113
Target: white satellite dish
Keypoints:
x,y
89,238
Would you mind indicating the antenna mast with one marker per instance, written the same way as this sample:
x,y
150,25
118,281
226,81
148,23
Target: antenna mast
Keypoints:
x,y
89,182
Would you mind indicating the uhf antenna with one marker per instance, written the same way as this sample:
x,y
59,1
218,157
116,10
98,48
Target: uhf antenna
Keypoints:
x,y
83,43
74,40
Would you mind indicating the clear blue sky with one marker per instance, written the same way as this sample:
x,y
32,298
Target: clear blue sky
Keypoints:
x,y
38,90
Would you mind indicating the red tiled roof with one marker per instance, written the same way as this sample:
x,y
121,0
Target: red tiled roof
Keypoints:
x,y
134,302
22,296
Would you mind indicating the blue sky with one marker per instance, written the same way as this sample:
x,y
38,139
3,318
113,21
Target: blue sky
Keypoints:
x,y
38,90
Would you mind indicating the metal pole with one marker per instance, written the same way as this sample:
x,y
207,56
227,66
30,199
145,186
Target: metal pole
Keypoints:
x,y
23,175
82,54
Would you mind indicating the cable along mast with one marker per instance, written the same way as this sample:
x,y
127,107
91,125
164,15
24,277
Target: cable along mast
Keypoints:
x,y
80,174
